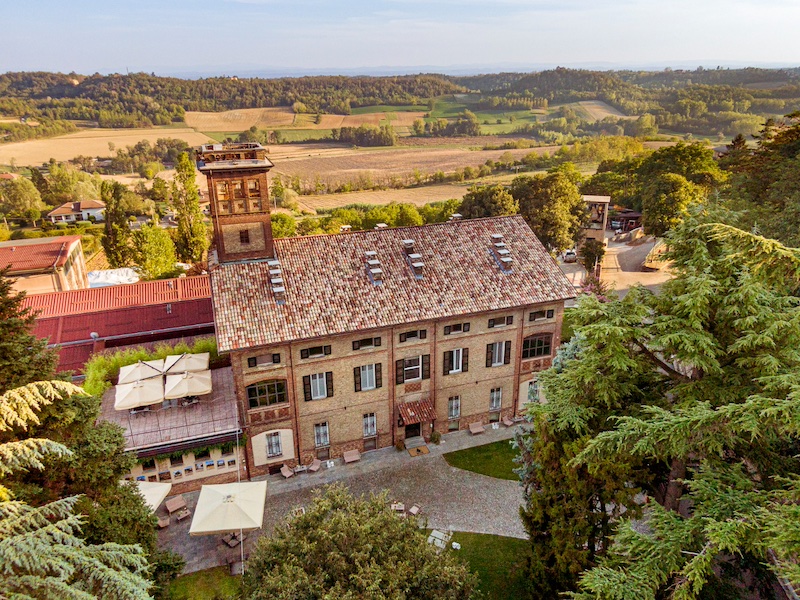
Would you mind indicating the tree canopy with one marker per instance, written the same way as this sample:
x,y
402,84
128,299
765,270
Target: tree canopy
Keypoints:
x,y
488,201
192,239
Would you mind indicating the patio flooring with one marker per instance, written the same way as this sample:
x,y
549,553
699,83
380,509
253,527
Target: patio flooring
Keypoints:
x,y
450,498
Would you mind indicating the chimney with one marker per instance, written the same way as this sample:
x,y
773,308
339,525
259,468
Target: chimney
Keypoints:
x,y
276,281
501,254
345,228
381,226
408,246
374,271
455,217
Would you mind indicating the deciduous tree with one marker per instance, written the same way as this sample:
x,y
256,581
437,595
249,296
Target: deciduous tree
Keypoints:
x,y
666,201
154,252
20,198
192,237
488,201
117,231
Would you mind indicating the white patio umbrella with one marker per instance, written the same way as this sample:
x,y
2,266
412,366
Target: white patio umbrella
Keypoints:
x,y
181,385
154,492
141,370
139,393
229,507
178,363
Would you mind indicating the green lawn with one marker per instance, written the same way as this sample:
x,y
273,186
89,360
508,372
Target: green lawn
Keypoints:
x,y
365,110
498,561
494,460
211,584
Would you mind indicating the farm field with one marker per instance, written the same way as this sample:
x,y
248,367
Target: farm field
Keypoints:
x,y
597,110
90,142
418,196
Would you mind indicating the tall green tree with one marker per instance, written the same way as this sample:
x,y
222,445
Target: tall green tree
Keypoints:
x,y
488,201
20,198
116,230
666,201
714,361
23,356
192,240
553,207
154,252
348,548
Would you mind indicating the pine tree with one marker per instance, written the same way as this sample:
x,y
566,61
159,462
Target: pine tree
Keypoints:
x,y
192,238
23,356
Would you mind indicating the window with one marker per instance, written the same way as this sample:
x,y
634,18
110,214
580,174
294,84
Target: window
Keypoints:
x,y
176,461
534,392
370,444
274,444
495,398
539,315
202,454
315,352
370,425
501,322
537,345
266,393
457,328
367,377
253,188
321,435
149,464
366,343
244,236
456,361
454,407
413,369
419,334
318,388
238,189
263,360
452,425
498,354
222,191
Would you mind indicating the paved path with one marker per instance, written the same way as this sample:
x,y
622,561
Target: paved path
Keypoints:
x,y
450,497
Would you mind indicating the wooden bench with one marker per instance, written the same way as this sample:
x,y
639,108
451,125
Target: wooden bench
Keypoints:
x,y
286,472
351,456
476,428
175,504
508,422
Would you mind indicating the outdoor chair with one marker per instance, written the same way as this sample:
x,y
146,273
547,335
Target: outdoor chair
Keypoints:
x,y
351,456
476,428
315,465
286,472
508,422
163,522
415,510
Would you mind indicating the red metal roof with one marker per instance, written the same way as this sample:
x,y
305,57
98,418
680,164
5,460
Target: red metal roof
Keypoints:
x,y
420,411
41,254
145,293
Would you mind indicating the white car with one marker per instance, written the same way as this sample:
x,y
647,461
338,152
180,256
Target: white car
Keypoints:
x,y
570,256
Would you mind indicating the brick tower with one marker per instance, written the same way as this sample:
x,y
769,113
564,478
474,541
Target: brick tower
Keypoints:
x,y
239,195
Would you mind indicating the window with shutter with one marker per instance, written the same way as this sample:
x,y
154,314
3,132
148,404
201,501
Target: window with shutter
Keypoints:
x,y
329,383
378,376
447,329
307,388
304,353
507,353
356,344
319,389
491,323
399,371
367,377
423,334
276,359
426,366
489,354
357,378
376,341
447,359
413,368
464,360
403,337
251,362
326,350
466,326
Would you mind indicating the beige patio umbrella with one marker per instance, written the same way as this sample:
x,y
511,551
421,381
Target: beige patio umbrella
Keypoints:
x,y
178,363
229,507
139,393
141,370
181,385
154,492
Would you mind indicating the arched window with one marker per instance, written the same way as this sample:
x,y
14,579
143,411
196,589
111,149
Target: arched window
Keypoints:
x,y
266,393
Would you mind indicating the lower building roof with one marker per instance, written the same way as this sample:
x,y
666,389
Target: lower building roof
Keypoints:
x,y
40,254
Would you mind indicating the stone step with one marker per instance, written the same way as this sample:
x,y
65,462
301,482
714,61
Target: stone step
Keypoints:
x,y
414,442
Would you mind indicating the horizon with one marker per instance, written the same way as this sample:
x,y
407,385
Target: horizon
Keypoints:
x,y
392,37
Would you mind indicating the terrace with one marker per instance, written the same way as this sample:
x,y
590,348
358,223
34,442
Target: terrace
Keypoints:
x,y
170,426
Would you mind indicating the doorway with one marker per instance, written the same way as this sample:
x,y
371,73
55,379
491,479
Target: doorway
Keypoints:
x,y
413,430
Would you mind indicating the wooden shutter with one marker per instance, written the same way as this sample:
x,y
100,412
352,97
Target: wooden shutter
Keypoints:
x,y
402,337
489,355
399,373
447,329
276,359
423,333
356,344
507,353
251,362
510,320
329,381
326,350
307,387
304,353
357,378
491,323
466,327
378,375
376,341
465,360
447,362
426,366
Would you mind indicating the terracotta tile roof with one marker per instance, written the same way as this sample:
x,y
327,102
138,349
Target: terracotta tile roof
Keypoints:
x,y
75,208
144,293
420,411
328,290
40,254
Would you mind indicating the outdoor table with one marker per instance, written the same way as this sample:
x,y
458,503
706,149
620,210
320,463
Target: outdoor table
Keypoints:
x,y
175,504
398,506
301,469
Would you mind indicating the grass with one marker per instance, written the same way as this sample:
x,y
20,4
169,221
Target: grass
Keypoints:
x,y
498,562
211,584
365,110
494,460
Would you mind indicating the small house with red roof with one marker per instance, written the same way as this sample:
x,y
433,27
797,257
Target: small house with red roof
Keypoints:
x,y
41,265
85,210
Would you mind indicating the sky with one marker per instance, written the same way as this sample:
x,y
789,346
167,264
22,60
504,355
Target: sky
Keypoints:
x,y
248,37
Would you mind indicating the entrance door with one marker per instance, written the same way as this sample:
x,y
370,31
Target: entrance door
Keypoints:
x,y
412,430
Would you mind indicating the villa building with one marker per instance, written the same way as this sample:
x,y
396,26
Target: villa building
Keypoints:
x,y
71,212
361,340
41,265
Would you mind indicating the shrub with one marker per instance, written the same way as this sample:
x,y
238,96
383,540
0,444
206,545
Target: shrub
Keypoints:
x,y
436,437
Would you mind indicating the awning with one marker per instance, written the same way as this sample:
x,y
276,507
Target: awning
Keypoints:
x,y
417,412
141,370
187,384
154,492
179,363
229,507
139,393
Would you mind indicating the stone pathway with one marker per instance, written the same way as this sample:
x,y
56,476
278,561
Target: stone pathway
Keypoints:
x,y
450,498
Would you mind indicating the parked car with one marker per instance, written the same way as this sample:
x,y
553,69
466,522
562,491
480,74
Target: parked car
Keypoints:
x,y
570,256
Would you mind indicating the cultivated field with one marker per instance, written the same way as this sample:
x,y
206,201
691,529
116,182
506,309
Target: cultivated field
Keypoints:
x,y
90,142
599,110
418,196
284,118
